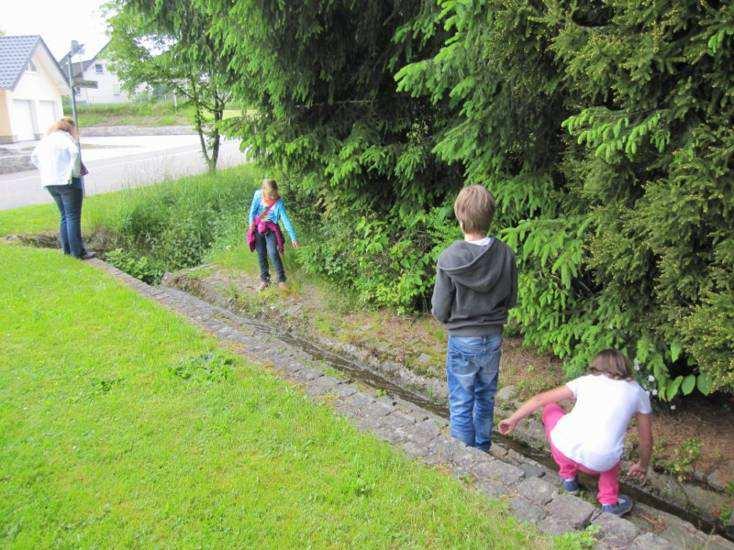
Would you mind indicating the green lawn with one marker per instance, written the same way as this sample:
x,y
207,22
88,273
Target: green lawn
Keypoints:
x,y
122,425
135,113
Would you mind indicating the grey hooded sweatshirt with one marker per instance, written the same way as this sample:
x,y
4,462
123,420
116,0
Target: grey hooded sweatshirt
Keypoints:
x,y
475,287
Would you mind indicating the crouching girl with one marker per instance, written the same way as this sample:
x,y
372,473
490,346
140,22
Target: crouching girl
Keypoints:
x,y
590,438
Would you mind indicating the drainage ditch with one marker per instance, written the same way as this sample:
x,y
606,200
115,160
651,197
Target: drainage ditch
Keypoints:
x,y
357,370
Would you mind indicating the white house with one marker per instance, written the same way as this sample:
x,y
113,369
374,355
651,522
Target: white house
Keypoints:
x,y
108,87
31,86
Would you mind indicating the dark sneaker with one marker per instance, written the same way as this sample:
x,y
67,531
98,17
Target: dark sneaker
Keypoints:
x,y
571,485
624,505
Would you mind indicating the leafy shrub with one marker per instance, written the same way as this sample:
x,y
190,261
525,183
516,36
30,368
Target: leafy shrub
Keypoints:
x,y
140,267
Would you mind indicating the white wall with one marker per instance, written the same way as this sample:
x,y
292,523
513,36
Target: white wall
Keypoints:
x,y
109,87
34,86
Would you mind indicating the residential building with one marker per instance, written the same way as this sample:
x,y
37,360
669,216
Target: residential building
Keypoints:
x,y
31,86
100,83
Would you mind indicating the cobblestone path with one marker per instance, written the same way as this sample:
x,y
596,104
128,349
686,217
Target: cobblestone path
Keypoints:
x,y
529,487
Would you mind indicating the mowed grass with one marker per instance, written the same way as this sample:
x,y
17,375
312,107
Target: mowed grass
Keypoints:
x,y
121,424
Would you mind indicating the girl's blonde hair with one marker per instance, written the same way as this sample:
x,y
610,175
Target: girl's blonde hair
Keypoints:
x,y
270,188
611,363
65,124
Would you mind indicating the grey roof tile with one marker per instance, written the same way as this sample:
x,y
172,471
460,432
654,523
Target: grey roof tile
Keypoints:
x,y
15,52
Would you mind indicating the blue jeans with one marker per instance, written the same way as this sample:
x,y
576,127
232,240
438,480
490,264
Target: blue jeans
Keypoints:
x,y
266,245
472,369
69,201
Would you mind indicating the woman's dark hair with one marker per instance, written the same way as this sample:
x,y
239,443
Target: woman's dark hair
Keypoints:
x,y
611,363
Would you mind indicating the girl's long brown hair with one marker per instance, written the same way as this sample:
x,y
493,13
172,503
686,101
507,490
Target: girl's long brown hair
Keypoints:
x,y
611,363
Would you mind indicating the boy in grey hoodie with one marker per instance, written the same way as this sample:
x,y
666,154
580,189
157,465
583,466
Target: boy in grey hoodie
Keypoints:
x,y
476,285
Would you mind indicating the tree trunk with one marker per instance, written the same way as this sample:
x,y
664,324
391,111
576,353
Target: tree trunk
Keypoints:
x,y
199,124
216,136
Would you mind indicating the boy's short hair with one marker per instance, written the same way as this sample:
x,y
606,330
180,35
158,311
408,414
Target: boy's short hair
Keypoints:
x,y
474,208
612,363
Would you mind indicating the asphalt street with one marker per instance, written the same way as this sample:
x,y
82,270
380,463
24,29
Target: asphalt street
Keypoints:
x,y
114,164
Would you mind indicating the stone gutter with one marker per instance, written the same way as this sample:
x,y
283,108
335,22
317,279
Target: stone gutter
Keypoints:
x,y
683,498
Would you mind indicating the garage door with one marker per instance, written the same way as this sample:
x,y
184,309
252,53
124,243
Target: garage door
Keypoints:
x,y
47,115
22,120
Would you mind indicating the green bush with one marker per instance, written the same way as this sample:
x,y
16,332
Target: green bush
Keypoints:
x,y
140,267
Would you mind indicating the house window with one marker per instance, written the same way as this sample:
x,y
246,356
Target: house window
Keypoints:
x,y
31,66
98,68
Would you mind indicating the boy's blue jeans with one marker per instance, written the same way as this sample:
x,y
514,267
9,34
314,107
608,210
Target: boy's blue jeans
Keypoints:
x,y
472,368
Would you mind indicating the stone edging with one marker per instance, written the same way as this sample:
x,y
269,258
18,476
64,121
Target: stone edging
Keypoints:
x,y
104,131
420,433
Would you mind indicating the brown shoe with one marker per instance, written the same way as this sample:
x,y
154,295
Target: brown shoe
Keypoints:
x,y
262,286
282,286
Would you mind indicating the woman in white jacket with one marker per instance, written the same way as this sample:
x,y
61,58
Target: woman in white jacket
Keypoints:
x,y
58,159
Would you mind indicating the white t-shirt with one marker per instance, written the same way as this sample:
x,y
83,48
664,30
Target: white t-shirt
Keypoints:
x,y
592,434
481,242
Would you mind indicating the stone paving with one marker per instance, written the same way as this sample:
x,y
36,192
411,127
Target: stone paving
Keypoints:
x,y
423,435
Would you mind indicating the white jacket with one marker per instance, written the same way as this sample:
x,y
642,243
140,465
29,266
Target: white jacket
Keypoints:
x,y
57,157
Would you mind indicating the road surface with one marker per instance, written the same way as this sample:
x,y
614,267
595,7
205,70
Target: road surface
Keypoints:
x,y
122,162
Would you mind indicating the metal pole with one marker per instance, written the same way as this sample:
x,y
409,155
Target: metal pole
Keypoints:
x,y
71,85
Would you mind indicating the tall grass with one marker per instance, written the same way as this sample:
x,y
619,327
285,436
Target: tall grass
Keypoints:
x,y
174,225
164,227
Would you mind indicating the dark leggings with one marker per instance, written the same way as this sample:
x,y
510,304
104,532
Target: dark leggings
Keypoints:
x,y
266,245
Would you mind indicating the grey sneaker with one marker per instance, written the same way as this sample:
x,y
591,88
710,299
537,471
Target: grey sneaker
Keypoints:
x,y
571,485
624,505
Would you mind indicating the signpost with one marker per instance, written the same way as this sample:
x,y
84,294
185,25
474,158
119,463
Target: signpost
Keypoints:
x,y
76,48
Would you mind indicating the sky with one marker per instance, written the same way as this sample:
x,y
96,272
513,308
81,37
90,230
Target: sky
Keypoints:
x,y
58,22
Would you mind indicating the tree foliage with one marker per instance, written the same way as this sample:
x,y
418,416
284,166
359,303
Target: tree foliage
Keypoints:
x,y
603,128
167,44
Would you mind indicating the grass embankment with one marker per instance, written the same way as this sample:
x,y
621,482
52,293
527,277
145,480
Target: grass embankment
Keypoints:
x,y
121,424
161,113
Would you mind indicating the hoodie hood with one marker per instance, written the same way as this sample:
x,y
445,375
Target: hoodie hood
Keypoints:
x,y
479,268
475,287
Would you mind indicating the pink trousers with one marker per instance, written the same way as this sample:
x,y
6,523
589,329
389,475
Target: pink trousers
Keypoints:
x,y
567,468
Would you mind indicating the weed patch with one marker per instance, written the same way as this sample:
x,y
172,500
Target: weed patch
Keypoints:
x,y
209,367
